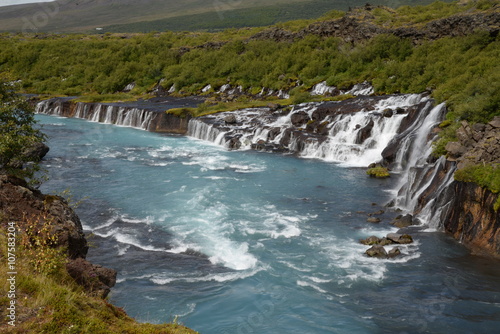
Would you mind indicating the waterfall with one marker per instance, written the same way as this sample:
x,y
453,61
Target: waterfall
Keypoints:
x,y
415,148
354,138
109,115
49,107
355,134
98,112
343,145
207,132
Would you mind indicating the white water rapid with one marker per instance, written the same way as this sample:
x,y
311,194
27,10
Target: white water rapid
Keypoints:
x,y
356,138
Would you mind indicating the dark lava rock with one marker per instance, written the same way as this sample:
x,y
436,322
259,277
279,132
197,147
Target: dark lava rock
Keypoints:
x,y
27,205
400,238
403,221
377,251
300,118
365,132
37,151
388,113
394,252
372,240
95,279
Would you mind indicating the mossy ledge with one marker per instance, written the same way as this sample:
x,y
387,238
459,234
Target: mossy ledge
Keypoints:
x,y
50,292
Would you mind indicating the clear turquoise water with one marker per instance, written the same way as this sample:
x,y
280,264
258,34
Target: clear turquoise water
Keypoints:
x,y
247,242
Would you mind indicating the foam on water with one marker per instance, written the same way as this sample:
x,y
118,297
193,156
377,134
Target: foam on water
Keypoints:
x,y
213,235
222,277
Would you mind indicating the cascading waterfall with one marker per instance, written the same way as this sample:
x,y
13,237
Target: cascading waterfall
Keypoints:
x,y
355,136
343,142
414,150
207,132
96,112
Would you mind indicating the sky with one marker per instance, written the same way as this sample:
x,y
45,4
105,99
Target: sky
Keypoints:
x,y
18,2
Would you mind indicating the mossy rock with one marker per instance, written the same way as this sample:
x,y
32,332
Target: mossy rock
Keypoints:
x,y
378,172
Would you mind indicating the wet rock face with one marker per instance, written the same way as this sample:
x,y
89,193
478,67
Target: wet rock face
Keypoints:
x,y
21,203
473,220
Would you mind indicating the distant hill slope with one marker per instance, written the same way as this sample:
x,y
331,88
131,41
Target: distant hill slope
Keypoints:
x,y
160,15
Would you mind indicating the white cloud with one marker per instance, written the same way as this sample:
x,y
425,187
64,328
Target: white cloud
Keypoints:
x,y
19,2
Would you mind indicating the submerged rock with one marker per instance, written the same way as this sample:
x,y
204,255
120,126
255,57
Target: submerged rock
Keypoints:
x,y
374,220
373,240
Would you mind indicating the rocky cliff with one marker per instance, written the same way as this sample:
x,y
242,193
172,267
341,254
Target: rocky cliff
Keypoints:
x,y
29,208
472,220
466,210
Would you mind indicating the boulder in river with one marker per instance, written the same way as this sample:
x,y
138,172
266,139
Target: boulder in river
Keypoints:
x,y
377,251
400,238
403,221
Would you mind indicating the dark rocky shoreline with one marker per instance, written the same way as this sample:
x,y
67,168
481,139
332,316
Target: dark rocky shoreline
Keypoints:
x,y
22,203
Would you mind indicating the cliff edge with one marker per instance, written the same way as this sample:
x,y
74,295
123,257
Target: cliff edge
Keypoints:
x,y
51,286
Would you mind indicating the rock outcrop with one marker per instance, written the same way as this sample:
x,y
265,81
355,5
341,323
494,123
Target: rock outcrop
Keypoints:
x,y
359,25
464,209
29,207
477,144
472,218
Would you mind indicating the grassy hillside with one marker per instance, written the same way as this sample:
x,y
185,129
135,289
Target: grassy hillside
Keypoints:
x,y
159,15
82,16
250,17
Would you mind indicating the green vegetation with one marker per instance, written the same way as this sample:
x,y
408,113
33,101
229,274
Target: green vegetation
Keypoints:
x,y
161,15
487,176
421,14
463,71
47,298
17,133
378,172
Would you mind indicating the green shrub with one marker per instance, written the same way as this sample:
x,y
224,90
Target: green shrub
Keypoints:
x,y
378,172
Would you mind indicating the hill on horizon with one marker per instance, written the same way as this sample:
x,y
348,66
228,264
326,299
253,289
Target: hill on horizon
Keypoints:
x,y
86,16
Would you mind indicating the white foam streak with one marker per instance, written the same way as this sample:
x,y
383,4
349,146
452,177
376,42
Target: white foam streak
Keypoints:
x,y
221,278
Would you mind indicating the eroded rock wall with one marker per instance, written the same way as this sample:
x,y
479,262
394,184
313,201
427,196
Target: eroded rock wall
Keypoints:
x,y
28,207
472,219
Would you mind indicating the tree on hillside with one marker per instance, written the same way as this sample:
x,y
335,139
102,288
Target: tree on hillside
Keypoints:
x,y
20,140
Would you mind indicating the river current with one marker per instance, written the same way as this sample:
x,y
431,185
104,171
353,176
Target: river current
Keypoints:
x,y
248,242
